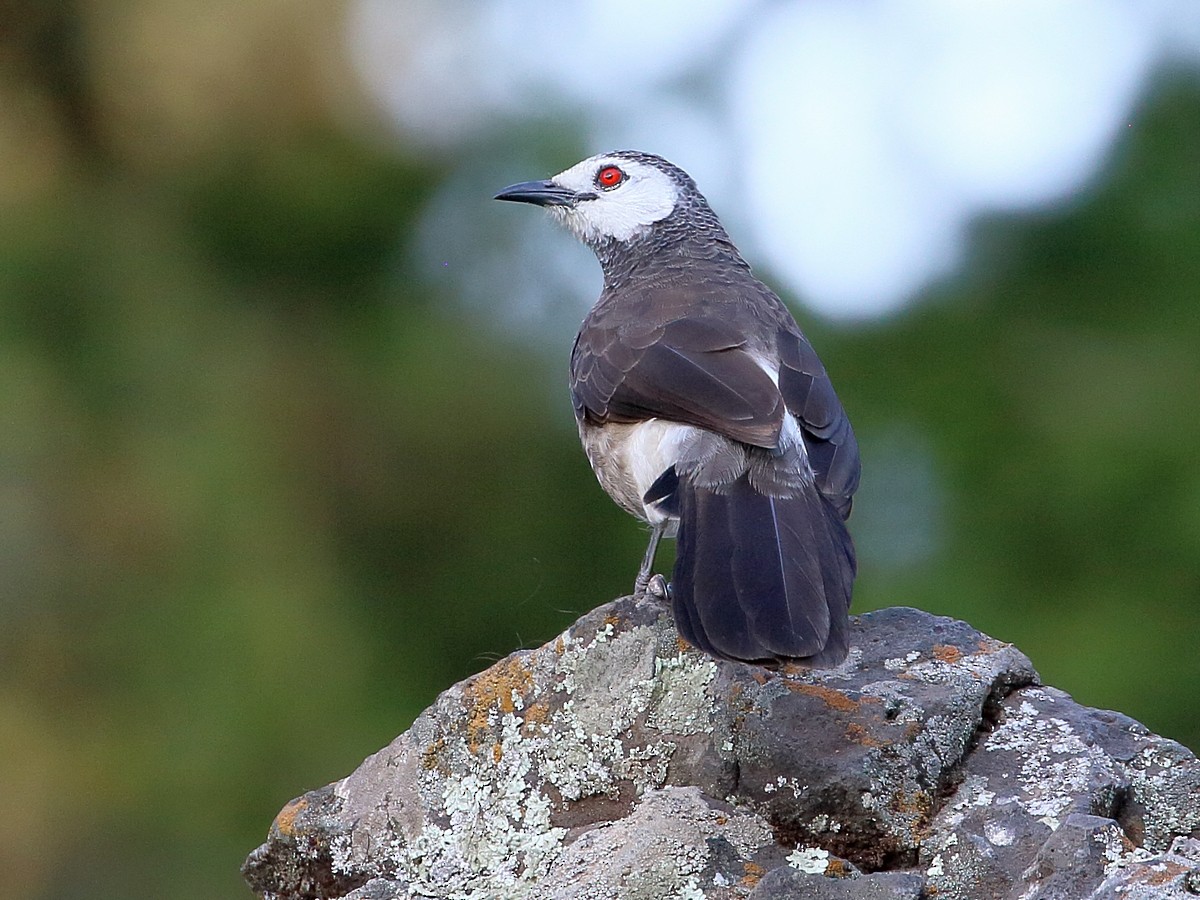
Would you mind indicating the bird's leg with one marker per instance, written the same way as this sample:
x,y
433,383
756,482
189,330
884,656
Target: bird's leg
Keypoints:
x,y
645,584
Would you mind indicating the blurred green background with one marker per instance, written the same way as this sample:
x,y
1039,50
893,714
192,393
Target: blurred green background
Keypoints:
x,y
266,488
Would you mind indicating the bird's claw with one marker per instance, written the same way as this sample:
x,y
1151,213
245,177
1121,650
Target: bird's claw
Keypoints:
x,y
654,587
658,588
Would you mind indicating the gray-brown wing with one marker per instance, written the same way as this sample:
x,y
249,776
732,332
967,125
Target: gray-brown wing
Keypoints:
x,y
693,370
809,395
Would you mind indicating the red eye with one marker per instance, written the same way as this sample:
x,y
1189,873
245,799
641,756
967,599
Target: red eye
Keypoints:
x,y
609,177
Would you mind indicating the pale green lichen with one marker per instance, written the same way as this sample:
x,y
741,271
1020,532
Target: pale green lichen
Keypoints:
x,y
822,822
1165,778
811,860
680,700
787,782
689,891
900,663
1056,764
499,839
490,833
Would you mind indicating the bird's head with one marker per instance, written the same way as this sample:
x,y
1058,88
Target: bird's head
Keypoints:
x,y
618,196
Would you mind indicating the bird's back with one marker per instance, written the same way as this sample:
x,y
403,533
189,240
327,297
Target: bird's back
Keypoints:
x,y
703,408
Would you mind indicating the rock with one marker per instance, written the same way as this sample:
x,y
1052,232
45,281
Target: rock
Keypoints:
x,y
616,762
1054,796
674,837
785,883
1173,875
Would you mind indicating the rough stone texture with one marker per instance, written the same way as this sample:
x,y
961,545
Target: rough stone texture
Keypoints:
x,y
615,762
785,883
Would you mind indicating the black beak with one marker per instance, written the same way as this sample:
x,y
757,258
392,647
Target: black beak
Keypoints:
x,y
542,193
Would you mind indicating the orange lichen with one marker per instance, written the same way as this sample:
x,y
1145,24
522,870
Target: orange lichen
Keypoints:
x,y
947,653
493,688
497,753
498,684
834,699
431,756
285,822
837,868
918,803
859,735
537,714
754,873
1163,872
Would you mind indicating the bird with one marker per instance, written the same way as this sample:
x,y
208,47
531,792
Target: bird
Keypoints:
x,y
705,412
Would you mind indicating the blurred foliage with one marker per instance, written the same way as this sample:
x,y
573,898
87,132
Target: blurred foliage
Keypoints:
x,y
1058,381
265,493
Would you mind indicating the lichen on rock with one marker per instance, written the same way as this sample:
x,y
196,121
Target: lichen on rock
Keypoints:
x,y
615,762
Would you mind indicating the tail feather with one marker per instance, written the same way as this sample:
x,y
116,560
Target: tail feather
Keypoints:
x,y
703,560
761,578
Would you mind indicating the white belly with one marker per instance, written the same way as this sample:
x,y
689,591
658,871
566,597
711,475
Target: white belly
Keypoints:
x,y
627,459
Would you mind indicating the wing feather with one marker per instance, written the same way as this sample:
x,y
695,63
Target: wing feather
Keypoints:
x,y
696,371
828,437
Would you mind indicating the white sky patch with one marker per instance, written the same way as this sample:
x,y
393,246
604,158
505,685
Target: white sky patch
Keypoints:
x,y
430,64
608,53
1013,103
875,131
833,212
851,143
1179,23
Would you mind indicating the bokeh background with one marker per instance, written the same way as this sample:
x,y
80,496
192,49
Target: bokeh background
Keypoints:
x,y
285,446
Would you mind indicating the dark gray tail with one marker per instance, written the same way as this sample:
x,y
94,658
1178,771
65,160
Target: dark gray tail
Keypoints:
x,y
761,578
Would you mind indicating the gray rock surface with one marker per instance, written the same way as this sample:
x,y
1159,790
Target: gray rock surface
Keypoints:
x,y
616,762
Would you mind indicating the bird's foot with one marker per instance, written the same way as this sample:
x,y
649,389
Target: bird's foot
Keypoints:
x,y
658,589
653,587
